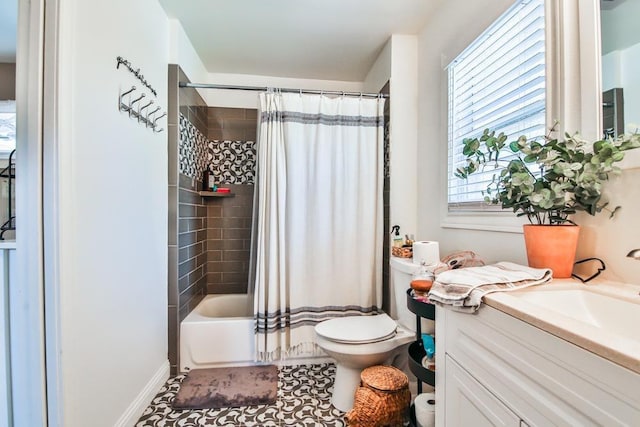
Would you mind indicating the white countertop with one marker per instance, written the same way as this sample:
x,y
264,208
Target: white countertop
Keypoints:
x,y
622,349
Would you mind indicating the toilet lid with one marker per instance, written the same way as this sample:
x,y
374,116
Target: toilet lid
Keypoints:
x,y
357,329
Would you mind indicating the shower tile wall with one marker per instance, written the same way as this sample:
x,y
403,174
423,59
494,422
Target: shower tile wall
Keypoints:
x,y
231,132
192,253
192,211
187,149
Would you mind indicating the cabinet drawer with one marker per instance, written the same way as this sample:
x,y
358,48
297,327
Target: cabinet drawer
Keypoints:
x,y
468,403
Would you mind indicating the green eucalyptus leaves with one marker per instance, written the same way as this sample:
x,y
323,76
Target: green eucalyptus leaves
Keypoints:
x,y
547,181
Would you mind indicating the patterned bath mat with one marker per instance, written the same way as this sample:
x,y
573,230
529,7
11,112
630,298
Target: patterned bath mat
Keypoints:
x,y
228,387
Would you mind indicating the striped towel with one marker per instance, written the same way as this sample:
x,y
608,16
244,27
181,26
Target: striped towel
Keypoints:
x,y
463,289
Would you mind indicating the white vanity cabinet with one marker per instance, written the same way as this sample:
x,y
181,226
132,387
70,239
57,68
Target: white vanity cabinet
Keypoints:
x,y
502,371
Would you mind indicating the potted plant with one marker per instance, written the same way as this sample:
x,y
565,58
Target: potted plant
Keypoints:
x,y
547,182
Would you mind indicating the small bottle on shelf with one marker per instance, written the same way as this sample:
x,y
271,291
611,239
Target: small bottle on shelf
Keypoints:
x,y
208,181
429,344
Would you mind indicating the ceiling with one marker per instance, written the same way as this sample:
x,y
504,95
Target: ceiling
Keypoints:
x,y
328,39
8,25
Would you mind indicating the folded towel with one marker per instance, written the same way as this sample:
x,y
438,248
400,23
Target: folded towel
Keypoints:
x,y
463,289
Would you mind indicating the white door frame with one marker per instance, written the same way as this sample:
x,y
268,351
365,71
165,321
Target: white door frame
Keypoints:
x,y
51,216
31,392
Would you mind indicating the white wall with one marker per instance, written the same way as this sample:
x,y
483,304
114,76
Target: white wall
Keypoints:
x,y
380,71
181,52
619,26
621,55
612,239
113,213
621,68
398,64
446,34
403,129
611,70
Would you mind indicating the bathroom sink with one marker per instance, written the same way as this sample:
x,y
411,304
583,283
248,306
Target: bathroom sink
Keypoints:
x,y
615,315
602,316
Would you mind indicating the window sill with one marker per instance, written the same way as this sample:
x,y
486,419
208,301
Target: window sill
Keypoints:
x,y
497,221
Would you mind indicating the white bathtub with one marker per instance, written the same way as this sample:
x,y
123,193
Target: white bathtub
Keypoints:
x,y
218,332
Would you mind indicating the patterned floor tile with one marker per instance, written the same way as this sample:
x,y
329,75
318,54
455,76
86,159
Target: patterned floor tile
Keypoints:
x,y
228,417
304,399
325,411
332,423
309,422
262,415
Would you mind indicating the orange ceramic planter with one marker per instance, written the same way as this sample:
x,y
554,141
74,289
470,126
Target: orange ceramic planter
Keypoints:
x,y
552,246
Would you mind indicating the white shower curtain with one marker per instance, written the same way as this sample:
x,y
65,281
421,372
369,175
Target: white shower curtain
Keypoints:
x,y
318,228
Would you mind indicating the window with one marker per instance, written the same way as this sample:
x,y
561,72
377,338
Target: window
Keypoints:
x,y
7,128
497,82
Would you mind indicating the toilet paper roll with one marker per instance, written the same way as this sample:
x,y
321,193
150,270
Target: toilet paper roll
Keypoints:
x,y
425,405
426,252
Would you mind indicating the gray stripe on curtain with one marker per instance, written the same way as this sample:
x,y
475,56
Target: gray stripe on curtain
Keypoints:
x,y
324,119
307,316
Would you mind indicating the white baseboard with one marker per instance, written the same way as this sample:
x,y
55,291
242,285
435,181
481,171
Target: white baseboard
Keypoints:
x,y
140,403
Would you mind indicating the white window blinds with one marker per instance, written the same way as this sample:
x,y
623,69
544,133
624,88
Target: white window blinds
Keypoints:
x,y
497,82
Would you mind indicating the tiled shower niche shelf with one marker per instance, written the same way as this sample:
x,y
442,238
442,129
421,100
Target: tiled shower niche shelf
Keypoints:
x,y
215,194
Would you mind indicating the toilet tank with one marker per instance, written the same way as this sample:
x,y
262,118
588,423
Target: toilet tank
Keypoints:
x,y
402,270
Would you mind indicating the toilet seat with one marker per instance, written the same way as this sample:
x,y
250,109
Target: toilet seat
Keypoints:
x,y
358,329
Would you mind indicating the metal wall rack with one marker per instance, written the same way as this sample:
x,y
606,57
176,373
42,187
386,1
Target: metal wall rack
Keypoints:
x,y
136,110
133,103
135,72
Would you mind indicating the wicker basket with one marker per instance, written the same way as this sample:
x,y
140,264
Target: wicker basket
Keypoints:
x,y
403,252
382,399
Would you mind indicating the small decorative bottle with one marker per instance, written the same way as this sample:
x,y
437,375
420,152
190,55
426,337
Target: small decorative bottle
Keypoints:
x,y
397,238
208,181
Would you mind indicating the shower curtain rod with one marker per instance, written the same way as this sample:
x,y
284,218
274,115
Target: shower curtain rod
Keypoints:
x,y
264,88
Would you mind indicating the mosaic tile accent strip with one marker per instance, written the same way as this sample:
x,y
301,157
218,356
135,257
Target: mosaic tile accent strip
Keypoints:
x,y
192,150
304,399
232,162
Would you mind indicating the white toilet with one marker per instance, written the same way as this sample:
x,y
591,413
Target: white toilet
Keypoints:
x,y
357,342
